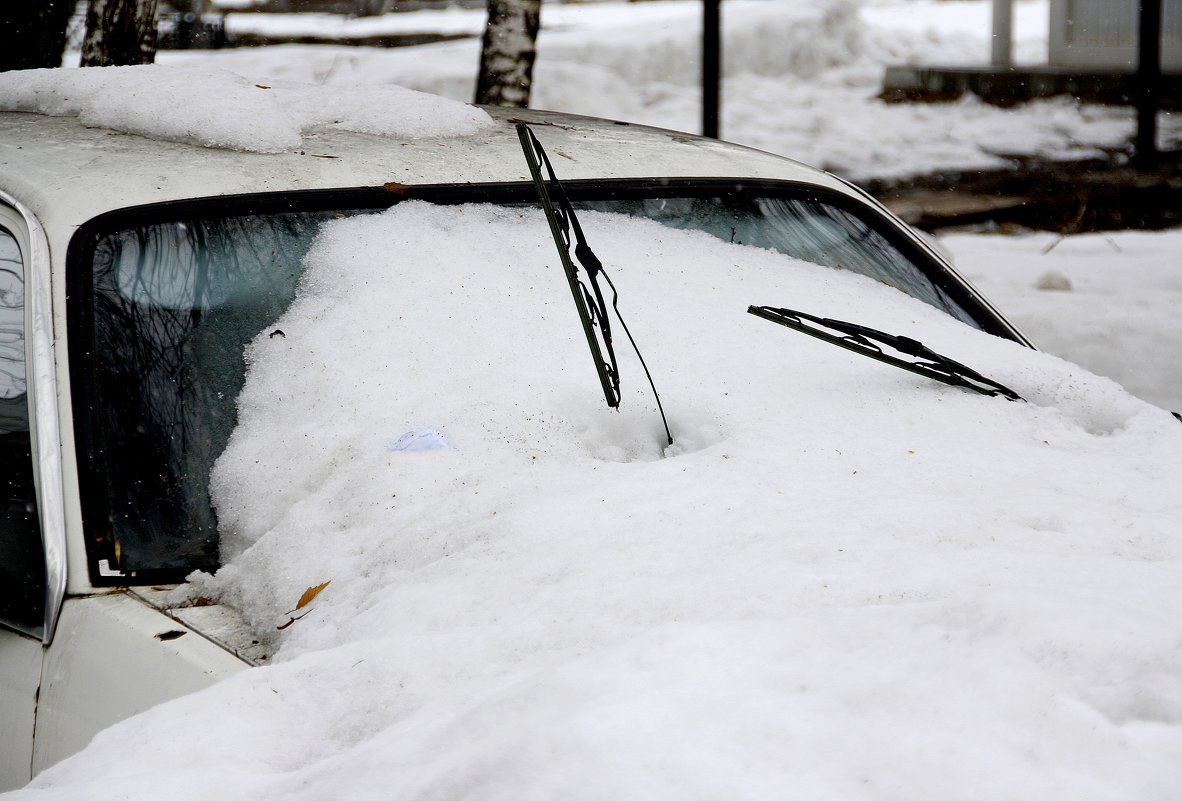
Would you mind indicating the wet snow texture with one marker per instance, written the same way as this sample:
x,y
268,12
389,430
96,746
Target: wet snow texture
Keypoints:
x,y
842,582
217,108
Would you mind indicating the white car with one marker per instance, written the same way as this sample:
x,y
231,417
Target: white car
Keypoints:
x,y
134,272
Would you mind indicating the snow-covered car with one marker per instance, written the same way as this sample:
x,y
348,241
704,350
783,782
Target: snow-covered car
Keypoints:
x,y
152,260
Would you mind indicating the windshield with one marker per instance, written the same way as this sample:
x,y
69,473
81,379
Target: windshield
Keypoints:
x,y
805,228
165,307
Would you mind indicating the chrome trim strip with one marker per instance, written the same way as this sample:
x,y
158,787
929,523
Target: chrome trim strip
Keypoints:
x,y
44,425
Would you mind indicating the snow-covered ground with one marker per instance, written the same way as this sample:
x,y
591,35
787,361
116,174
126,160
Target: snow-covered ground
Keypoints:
x,y
843,582
1107,301
800,77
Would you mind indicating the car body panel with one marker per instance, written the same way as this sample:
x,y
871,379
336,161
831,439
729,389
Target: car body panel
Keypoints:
x,y
20,676
132,657
67,173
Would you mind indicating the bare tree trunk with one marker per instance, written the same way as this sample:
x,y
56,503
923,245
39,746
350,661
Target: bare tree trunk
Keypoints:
x,y
508,52
33,34
119,32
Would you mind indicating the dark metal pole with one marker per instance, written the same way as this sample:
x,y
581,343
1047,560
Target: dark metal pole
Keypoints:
x,y
1148,82
1001,54
711,67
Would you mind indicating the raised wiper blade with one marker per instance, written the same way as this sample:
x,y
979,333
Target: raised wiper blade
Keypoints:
x,y
592,308
867,341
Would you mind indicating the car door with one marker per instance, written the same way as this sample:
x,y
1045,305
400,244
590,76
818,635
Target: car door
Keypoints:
x,y
22,556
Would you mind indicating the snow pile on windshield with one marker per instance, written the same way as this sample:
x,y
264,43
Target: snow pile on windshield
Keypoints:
x,y
217,108
843,581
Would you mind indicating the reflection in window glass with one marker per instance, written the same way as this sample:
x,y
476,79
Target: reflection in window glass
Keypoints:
x,y
22,563
803,228
174,306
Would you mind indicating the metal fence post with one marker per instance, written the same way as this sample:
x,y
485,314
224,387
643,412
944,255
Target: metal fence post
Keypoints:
x,y
1001,52
1148,83
711,68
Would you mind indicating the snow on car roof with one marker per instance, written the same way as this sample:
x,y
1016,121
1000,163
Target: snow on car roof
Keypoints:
x,y
98,157
217,108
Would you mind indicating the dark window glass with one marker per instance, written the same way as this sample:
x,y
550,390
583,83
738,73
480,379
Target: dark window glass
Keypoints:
x,y
174,307
801,227
22,559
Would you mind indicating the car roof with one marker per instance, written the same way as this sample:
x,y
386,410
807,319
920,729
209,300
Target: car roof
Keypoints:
x,y
67,173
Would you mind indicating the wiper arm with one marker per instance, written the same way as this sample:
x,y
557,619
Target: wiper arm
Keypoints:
x,y
590,303
867,341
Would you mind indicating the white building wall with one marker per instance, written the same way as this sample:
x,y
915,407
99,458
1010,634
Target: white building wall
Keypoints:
x,y
1102,34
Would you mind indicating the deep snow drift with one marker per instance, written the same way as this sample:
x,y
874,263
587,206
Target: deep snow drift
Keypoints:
x,y
843,581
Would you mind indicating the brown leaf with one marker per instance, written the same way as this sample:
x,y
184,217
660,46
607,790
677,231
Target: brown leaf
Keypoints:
x,y
396,188
310,594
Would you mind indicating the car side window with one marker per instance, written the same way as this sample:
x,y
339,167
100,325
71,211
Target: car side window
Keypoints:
x,y
22,559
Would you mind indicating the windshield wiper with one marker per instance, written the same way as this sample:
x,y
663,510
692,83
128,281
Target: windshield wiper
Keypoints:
x,y
861,339
589,302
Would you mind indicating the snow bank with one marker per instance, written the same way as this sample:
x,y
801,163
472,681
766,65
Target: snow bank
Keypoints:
x,y
800,78
448,21
1106,301
842,582
789,40
221,109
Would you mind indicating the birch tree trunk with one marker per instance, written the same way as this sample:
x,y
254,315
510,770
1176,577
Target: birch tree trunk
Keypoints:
x,y
119,32
507,53
33,34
